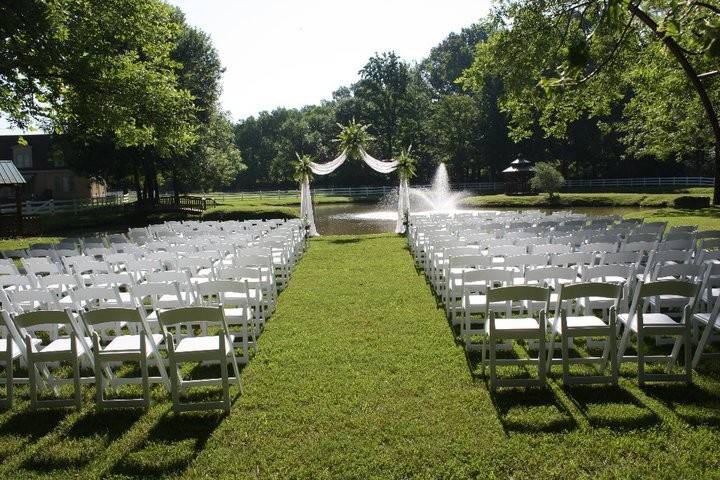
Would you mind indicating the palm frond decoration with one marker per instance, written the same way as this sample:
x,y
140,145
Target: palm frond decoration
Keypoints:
x,y
353,138
302,167
407,164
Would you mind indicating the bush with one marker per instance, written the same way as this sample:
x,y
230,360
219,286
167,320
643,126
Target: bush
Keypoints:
x,y
547,179
691,201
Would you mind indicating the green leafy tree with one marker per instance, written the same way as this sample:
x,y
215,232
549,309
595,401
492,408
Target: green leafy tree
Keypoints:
x,y
563,61
547,179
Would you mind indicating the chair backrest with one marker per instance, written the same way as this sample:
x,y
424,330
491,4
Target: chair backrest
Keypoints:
x,y
680,244
598,247
95,297
19,282
113,316
214,292
506,250
153,292
28,300
677,288
554,248
551,276
627,257
684,271
175,318
7,267
40,266
638,246
518,293
578,259
603,272
59,283
475,281
596,290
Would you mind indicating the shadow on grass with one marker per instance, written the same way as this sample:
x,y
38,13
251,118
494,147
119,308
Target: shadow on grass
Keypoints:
x,y
86,440
606,406
343,241
26,427
531,410
691,403
171,445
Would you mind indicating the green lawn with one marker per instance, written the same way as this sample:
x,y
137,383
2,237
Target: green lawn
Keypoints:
x,y
591,199
360,376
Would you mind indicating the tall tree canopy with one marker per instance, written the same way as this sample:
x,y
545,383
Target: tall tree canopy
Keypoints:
x,y
651,62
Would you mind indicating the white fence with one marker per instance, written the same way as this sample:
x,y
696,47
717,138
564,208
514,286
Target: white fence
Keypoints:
x,y
480,187
56,206
49,207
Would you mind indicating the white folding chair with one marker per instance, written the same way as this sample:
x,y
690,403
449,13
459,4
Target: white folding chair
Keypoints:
x,y
643,325
71,348
123,348
586,325
217,348
526,326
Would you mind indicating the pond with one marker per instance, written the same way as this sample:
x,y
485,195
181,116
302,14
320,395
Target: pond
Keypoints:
x,y
359,218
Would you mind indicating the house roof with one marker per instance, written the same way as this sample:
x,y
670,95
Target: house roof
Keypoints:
x,y
9,174
519,165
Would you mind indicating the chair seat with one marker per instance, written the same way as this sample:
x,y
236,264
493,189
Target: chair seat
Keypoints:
x,y
584,321
508,324
596,302
232,314
61,345
127,343
209,343
650,320
15,349
704,318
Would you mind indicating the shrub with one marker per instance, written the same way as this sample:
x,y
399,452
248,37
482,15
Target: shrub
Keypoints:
x,y
547,179
691,201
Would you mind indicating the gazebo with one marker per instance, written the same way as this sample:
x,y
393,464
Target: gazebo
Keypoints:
x,y
10,176
517,177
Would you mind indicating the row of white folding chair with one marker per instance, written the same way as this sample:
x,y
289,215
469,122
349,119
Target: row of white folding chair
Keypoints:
x,y
511,299
134,347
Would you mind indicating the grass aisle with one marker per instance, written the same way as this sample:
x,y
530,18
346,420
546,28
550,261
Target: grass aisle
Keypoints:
x,y
358,376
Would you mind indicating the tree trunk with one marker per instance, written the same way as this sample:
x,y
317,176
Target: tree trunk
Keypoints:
x,y
696,82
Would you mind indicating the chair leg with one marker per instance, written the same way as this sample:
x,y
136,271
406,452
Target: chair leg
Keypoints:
x,y
541,356
493,371
687,354
612,352
145,381
76,383
641,356
565,357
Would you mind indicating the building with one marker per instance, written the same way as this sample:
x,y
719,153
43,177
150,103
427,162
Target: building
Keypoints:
x,y
517,177
46,177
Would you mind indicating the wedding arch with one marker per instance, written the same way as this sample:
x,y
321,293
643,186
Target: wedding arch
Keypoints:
x,y
354,140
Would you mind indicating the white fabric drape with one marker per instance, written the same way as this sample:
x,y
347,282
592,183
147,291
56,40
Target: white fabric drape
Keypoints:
x,y
306,207
403,205
328,167
382,166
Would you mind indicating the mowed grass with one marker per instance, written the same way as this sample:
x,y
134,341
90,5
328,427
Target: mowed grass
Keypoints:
x,y
359,375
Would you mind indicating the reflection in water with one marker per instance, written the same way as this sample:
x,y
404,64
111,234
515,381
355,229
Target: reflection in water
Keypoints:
x,y
358,218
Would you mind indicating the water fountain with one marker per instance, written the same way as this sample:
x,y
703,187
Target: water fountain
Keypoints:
x,y
438,198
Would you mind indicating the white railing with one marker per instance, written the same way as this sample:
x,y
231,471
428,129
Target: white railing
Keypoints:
x,y
49,207
76,205
477,187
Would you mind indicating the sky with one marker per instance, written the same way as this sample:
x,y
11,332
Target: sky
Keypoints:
x,y
285,53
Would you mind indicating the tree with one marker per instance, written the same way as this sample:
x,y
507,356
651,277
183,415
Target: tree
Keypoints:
x,y
383,90
547,179
564,61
